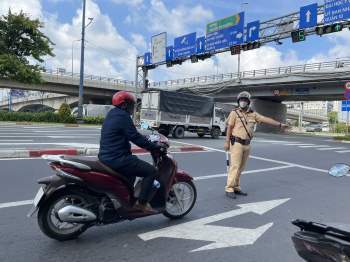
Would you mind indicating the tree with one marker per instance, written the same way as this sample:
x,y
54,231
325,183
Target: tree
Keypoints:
x,y
21,45
333,117
64,112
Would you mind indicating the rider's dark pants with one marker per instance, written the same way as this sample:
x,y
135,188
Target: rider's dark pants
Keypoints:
x,y
139,168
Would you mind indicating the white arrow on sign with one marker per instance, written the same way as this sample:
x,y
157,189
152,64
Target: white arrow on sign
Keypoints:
x,y
251,30
239,35
220,236
308,16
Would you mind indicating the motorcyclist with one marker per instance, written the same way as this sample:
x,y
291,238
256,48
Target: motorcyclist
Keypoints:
x,y
117,132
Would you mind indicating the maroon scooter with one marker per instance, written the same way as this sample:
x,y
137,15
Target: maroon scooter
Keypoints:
x,y
84,193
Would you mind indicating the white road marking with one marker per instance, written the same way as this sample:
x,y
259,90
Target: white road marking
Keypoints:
x,y
331,148
319,146
245,172
263,159
15,140
343,151
220,236
300,145
16,204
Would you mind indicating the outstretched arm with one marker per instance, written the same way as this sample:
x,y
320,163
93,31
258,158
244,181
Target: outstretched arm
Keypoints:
x,y
270,121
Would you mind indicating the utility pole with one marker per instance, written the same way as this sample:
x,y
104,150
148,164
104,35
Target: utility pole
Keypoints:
x,y
81,85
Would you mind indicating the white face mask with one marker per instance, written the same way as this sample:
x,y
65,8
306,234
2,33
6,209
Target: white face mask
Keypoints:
x,y
243,104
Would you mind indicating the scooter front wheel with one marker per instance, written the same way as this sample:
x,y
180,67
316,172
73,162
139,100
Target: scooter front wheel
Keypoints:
x,y
181,199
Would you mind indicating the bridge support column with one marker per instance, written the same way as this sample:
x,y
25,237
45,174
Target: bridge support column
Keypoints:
x,y
275,110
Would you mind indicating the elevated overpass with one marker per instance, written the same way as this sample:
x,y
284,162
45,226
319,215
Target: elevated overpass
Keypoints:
x,y
308,82
49,101
269,87
96,88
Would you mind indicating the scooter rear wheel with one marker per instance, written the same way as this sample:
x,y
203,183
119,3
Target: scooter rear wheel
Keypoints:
x,y
49,222
181,199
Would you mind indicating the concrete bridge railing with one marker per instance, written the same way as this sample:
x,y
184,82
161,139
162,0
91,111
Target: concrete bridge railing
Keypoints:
x,y
268,72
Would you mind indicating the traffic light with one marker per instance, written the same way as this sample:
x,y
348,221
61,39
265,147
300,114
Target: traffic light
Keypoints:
x,y
298,36
194,59
204,56
235,50
322,30
146,84
251,46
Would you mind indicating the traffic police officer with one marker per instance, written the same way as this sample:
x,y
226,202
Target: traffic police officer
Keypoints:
x,y
240,129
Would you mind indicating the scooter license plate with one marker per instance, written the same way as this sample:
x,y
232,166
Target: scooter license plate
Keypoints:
x,y
38,196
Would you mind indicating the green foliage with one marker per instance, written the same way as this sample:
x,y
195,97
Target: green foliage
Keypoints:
x,y
64,113
46,117
93,120
20,41
333,117
340,128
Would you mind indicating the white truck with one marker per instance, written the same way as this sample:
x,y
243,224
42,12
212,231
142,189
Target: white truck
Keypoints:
x,y
175,112
92,110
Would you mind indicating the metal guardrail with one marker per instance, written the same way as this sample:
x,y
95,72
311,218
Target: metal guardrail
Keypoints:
x,y
307,114
269,72
61,73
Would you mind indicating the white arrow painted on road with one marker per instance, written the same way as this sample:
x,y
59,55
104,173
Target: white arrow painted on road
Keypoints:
x,y
308,16
220,236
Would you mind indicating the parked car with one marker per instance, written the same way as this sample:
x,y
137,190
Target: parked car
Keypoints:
x,y
314,128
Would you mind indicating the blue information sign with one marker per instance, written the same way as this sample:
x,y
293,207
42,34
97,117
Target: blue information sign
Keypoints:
x,y
169,53
308,16
345,106
336,10
226,37
147,58
185,45
253,29
15,92
201,45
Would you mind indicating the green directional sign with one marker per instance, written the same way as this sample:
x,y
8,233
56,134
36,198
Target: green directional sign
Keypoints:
x,y
223,23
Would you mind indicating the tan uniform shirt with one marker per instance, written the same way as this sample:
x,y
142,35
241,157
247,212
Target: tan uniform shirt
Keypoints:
x,y
250,118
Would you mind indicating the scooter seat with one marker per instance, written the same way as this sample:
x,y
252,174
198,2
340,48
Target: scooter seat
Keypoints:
x,y
96,166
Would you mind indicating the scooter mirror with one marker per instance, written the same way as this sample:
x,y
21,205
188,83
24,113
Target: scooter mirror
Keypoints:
x,y
339,170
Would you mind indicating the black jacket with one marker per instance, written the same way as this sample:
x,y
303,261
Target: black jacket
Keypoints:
x,y
117,132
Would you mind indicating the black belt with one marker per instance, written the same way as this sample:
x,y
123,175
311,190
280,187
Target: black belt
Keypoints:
x,y
244,142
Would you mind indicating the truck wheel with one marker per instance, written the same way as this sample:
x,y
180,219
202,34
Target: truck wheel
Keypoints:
x,y
179,132
215,132
201,134
164,131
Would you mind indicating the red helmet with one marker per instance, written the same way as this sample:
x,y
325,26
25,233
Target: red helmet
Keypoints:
x,y
123,97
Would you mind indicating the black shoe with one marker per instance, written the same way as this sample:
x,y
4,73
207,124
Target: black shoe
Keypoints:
x,y
231,195
241,193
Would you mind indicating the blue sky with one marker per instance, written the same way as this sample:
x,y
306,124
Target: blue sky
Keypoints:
x,y
123,28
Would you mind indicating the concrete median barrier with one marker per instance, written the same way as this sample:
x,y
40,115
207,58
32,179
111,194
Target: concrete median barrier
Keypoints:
x,y
33,153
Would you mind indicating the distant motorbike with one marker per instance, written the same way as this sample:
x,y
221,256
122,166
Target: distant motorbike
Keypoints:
x,y
84,193
317,242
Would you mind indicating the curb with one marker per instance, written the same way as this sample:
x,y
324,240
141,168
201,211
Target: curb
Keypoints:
x,y
32,153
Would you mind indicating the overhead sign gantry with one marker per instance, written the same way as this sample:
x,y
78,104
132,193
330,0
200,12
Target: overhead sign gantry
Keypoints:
x,y
231,34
